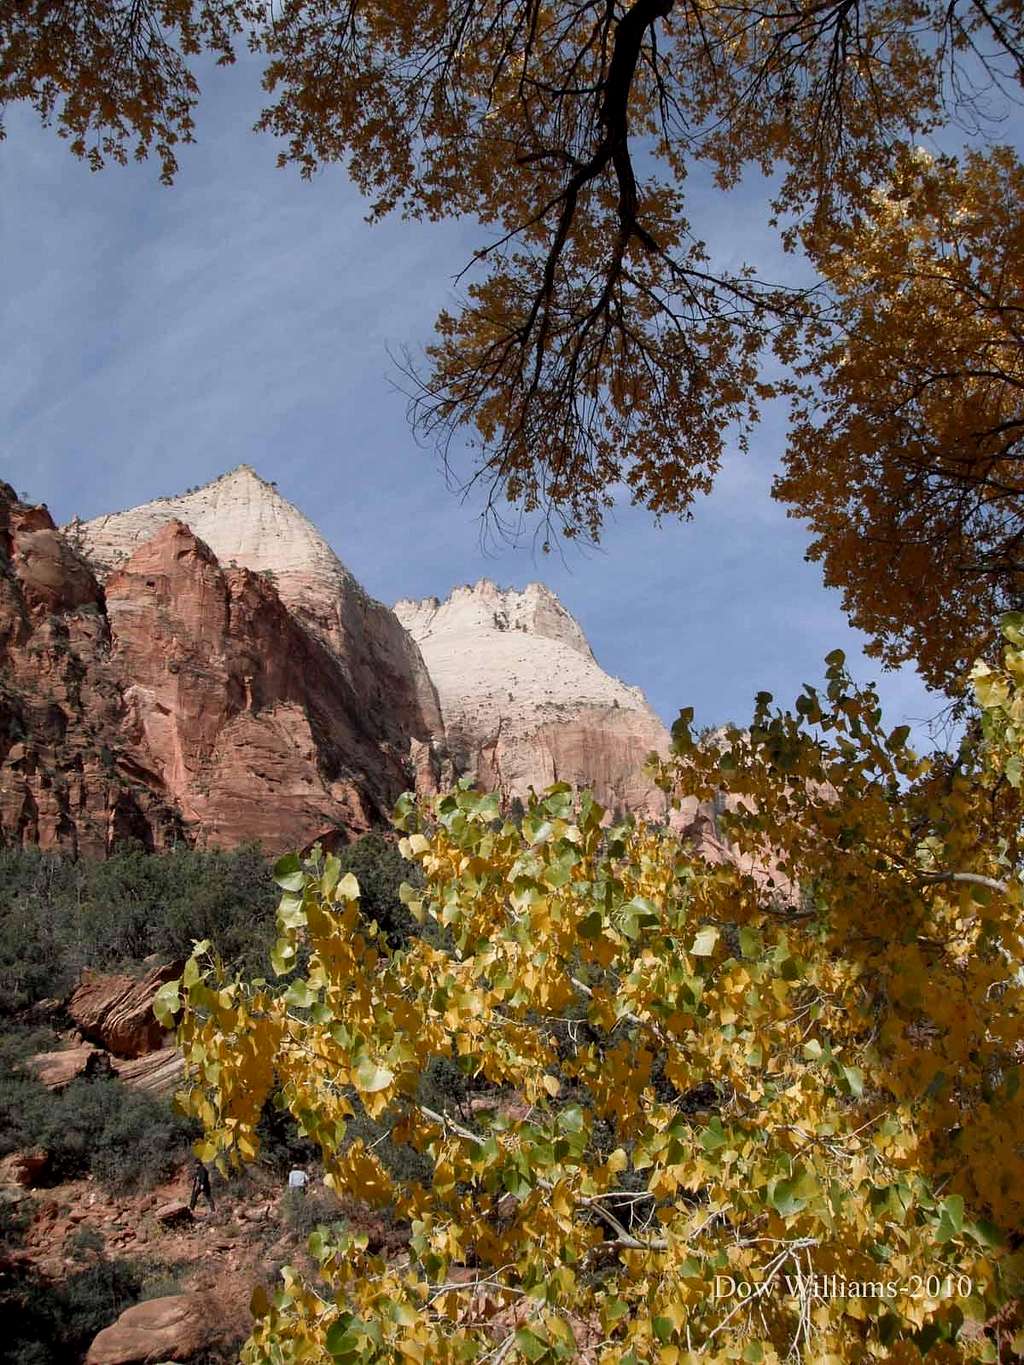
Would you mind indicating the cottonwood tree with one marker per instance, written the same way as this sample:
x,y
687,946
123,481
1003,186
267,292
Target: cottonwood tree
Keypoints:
x,y
803,1063
601,347
906,452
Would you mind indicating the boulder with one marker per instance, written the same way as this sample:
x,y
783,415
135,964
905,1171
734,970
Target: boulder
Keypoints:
x,y
117,1011
177,1328
58,1069
158,1073
27,1169
174,1214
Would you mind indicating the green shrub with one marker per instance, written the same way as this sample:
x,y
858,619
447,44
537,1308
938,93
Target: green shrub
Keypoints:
x,y
85,1242
380,870
59,915
302,1212
125,1139
52,1323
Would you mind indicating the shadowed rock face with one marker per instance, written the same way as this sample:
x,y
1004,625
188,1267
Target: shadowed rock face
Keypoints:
x,y
185,700
255,728
524,701
67,778
246,522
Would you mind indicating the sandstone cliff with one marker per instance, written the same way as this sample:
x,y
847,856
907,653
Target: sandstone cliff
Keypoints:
x,y
67,778
251,722
524,701
246,522
205,667
185,699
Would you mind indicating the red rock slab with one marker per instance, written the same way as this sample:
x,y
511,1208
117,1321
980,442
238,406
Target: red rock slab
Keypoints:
x,y
176,1328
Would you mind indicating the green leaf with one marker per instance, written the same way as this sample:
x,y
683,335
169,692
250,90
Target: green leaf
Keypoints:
x,y
290,912
300,994
985,1233
570,1120
331,873
348,888
646,912
342,1341
713,1137
282,957
662,1329
704,943
854,1079
750,942
532,1346
952,1208
612,1309
371,1077
288,873
785,1200
167,1003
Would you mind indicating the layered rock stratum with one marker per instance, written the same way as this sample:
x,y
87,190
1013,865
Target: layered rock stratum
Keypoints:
x,y
204,668
526,704
246,522
68,778
150,690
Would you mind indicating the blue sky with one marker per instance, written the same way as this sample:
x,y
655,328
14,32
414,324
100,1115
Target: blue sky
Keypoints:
x,y
157,337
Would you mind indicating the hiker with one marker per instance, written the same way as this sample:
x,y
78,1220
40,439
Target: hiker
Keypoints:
x,y
298,1180
200,1185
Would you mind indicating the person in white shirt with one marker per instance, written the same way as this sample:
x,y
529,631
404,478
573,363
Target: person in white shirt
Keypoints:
x,y
298,1179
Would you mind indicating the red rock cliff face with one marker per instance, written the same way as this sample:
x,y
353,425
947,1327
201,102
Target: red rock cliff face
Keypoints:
x,y
185,700
245,521
256,731
67,779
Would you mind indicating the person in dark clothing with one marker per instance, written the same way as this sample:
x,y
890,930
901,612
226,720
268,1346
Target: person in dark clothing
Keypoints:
x,y
200,1185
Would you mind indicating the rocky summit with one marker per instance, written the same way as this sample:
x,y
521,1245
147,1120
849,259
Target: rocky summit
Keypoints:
x,y
524,701
204,668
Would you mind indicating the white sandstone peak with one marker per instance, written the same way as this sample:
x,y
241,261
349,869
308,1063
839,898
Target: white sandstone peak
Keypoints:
x,y
525,702
240,515
483,607
246,522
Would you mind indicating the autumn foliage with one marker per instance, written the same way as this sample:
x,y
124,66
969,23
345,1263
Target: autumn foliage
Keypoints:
x,y
905,453
681,1070
602,343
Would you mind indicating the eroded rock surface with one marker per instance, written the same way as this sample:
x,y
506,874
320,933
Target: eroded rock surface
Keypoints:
x,y
255,728
67,777
180,1327
117,1011
246,522
205,668
185,699
524,701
